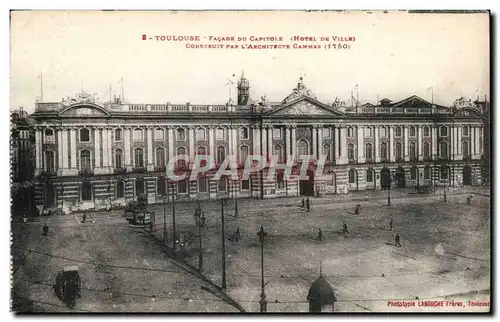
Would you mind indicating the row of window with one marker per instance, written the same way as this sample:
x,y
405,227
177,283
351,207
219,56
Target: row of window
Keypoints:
x,y
413,174
220,134
398,131
302,149
443,150
182,187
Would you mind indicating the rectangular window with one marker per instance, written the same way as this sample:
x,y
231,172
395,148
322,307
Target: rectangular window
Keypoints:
x,y
138,135
368,132
219,134
383,132
276,133
326,133
159,135
118,135
245,185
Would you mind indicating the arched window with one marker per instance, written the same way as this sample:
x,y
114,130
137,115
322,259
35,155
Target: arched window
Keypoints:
x,y
221,154
369,175
350,132
118,135
161,187
443,149
181,134
139,158
465,148
203,185
352,176
222,184
368,151
85,160
278,150
302,148
138,135
383,132
413,131
398,131
427,172
49,160
84,135
327,151
181,163
120,190
413,151
426,131
243,154
398,150
159,134
182,186
427,150
139,187
413,173
383,151
244,133
160,157
118,159
350,151
86,191
200,134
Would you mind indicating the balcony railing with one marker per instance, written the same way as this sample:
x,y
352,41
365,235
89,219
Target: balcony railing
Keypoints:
x,y
399,159
161,168
120,170
369,161
48,174
352,161
86,172
139,170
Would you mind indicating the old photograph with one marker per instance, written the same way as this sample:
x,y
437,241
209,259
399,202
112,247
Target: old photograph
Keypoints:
x,y
250,161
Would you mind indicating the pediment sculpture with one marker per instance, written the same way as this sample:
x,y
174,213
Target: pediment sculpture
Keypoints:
x,y
304,108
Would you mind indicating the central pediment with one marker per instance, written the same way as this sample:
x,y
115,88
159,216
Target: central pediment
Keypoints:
x,y
304,106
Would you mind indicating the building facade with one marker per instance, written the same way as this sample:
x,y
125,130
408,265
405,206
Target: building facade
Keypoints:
x,y
92,154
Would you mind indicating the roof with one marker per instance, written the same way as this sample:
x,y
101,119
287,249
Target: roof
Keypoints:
x,y
321,291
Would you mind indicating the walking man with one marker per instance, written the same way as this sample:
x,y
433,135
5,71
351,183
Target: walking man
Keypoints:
x,y
345,231
45,229
390,224
396,242
320,234
308,205
84,217
303,203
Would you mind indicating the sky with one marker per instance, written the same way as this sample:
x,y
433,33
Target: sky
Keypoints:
x,y
394,55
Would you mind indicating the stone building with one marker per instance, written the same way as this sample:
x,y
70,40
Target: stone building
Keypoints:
x,y
92,154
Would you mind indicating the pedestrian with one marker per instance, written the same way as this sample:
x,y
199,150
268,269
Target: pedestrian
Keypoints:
x,y
308,205
320,234
390,224
151,226
396,242
469,200
444,196
345,230
84,217
303,203
237,234
45,229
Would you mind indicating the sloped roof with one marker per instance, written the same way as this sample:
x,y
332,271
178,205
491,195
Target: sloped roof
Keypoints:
x,y
321,291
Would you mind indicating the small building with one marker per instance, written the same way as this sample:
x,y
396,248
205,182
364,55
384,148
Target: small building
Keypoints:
x,y
320,295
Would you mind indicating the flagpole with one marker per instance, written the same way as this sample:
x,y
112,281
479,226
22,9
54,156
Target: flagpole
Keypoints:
x,y
123,92
41,87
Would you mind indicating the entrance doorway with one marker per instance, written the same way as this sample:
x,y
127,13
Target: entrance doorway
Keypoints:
x,y
467,175
400,177
49,196
307,186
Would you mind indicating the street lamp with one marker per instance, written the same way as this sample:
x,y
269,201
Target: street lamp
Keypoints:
x,y
389,190
165,196
454,139
263,301
200,222
223,203
173,218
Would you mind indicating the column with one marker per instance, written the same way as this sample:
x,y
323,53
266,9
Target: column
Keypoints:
x,y
234,132
361,145
191,151
419,143
434,142
477,148
65,140
294,141
406,154
392,154
320,142
38,151
109,136
255,140
287,141
376,148
336,143
270,141
229,141
343,146
459,155
60,149
150,161
314,142
170,132
73,141
126,144
263,134
105,148
97,147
